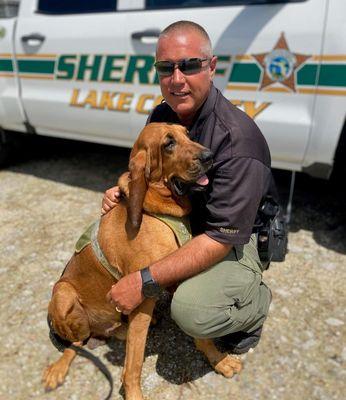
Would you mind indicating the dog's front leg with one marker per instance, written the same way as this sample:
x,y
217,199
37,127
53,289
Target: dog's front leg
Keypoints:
x,y
139,321
54,374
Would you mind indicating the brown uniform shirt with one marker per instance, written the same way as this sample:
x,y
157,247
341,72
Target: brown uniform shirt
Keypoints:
x,y
240,176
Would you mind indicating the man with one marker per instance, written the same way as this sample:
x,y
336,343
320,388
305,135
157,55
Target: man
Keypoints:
x,y
220,292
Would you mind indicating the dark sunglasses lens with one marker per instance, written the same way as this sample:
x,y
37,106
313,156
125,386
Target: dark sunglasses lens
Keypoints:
x,y
188,67
192,66
164,68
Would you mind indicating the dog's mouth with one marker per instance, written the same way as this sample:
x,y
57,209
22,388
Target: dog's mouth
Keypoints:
x,y
181,187
196,179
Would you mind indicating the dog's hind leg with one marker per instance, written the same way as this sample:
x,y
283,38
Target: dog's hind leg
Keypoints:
x,y
70,321
54,375
66,311
223,363
139,321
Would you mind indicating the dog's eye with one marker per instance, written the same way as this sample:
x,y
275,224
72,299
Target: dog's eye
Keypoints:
x,y
169,143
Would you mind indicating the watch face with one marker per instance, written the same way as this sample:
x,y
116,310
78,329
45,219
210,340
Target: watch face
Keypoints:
x,y
151,289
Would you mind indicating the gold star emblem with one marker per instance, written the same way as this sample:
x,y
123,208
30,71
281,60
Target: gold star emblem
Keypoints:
x,y
280,64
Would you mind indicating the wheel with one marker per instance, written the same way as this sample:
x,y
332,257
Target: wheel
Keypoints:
x,y
5,148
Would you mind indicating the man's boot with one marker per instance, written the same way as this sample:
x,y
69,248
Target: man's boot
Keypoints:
x,y
242,342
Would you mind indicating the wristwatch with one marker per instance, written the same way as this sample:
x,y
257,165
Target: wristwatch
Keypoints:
x,y
150,288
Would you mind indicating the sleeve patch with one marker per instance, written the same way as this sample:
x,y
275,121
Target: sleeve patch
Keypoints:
x,y
228,231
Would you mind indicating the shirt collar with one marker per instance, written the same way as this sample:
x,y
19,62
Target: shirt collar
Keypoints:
x,y
204,112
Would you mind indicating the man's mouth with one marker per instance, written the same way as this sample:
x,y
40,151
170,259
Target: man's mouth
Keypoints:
x,y
180,94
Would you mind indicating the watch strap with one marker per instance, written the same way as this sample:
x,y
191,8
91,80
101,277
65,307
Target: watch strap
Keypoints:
x,y
146,276
150,288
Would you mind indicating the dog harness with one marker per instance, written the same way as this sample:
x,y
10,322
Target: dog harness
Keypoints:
x,y
179,226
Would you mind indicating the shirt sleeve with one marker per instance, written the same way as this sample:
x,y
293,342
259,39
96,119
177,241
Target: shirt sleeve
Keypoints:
x,y
236,192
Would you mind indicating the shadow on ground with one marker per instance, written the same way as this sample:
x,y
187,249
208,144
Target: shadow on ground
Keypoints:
x,y
178,361
318,205
87,165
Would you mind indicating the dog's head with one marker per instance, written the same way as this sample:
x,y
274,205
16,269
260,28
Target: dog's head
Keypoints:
x,y
164,153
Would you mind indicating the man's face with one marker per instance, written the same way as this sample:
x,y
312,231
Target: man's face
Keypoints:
x,y
185,93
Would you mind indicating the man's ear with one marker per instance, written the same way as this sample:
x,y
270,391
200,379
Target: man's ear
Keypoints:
x,y
139,170
212,67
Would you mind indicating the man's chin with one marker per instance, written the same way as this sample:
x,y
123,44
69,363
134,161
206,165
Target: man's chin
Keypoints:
x,y
182,105
185,111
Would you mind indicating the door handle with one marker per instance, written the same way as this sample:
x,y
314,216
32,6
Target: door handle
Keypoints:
x,y
147,36
34,39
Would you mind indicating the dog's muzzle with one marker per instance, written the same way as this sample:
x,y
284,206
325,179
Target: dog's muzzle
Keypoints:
x,y
181,187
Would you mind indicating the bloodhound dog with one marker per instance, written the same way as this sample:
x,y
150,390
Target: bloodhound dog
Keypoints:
x,y
162,160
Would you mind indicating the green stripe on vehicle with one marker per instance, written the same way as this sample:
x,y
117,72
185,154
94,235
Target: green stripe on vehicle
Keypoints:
x,y
245,73
36,66
6,66
332,75
307,75
221,59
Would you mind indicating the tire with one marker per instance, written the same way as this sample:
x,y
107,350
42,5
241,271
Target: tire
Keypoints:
x,y
5,148
339,169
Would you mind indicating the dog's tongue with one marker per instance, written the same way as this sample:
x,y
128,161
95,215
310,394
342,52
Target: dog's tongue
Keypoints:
x,y
203,180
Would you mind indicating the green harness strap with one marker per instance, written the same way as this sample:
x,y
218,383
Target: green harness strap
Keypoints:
x,y
90,237
180,227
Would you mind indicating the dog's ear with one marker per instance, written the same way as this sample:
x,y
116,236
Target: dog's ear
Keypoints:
x,y
158,164
139,170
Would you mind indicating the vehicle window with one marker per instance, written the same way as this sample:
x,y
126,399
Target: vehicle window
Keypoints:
x,y
9,8
153,4
75,6
125,5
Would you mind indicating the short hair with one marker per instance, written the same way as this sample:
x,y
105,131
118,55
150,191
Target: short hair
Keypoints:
x,y
181,26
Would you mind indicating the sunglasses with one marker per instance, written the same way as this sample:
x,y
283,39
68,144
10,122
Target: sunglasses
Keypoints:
x,y
188,66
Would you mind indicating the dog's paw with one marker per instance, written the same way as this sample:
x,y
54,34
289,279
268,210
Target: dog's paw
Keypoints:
x,y
228,366
54,375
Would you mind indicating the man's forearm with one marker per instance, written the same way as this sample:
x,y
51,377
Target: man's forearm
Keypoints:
x,y
195,256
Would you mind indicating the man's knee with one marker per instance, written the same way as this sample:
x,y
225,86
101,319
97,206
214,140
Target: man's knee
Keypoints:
x,y
189,320
198,320
240,306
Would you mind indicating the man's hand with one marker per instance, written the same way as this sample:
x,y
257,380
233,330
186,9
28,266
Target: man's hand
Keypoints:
x,y
126,294
110,199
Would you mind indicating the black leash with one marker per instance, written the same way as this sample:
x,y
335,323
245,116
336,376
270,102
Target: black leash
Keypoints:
x,y
62,344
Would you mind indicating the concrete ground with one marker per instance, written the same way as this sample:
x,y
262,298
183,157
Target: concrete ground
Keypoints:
x,y
53,190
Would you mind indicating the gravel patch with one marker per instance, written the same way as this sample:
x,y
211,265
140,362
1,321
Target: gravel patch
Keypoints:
x,y
53,191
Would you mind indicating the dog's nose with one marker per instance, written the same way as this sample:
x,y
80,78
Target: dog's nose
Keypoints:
x,y
205,156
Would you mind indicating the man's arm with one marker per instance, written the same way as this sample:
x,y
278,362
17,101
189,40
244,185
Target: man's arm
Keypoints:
x,y
195,256
189,260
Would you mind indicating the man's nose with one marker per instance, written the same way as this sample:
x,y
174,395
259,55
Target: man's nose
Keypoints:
x,y
178,77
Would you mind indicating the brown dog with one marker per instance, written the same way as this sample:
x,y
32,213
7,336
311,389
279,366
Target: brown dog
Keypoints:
x,y
130,238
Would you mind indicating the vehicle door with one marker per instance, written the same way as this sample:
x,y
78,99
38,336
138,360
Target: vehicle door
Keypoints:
x,y
11,112
71,56
268,60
